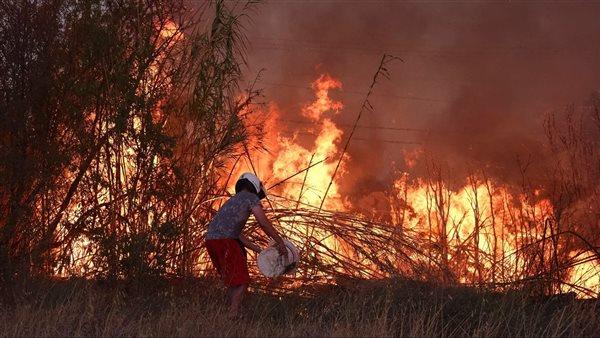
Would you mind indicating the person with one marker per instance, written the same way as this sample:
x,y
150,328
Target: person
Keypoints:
x,y
226,244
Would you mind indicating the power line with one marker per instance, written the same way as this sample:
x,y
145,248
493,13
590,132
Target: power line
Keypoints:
x,y
355,92
420,130
295,45
387,141
369,139
525,46
438,81
359,126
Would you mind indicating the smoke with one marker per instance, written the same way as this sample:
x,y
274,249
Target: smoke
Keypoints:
x,y
472,92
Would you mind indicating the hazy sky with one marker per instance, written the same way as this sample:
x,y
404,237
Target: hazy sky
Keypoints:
x,y
476,80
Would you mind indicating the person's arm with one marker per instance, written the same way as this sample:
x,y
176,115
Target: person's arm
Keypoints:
x,y
249,244
266,225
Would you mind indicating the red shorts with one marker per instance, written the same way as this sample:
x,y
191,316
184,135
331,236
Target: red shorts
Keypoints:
x,y
229,258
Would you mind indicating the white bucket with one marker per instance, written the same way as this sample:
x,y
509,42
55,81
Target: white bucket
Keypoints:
x,y
271,264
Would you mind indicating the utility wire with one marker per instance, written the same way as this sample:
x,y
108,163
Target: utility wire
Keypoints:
x,y
416,98
368,139
419,130
295,44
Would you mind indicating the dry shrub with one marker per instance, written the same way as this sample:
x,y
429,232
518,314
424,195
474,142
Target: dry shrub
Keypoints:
x,y
116,119
365,309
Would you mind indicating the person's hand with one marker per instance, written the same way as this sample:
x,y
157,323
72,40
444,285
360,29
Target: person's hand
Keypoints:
x,y
255,248
281,249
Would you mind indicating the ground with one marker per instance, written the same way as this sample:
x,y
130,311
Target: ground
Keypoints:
x,y
197,308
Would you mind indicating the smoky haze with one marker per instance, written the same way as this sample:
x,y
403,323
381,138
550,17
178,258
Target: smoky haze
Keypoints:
x,y
476,81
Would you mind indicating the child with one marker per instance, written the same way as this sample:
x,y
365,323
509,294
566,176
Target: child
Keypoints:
x,y
226,244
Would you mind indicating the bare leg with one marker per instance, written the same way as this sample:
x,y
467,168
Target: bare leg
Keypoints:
x,y
236,295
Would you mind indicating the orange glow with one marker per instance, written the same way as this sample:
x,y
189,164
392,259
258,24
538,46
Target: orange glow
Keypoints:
x,y
586,275
482,232
122,167
288,156
479,215
170,30
476,230
323,102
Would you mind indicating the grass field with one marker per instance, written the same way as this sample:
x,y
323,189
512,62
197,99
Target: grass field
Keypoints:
x,y
197,308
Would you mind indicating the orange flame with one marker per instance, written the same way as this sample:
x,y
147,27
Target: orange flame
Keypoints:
x,y
475,228
288,155
323,102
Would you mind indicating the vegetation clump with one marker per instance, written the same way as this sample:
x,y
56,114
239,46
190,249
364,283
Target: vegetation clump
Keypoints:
x,y
197,308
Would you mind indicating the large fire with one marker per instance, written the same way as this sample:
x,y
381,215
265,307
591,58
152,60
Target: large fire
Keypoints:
x,y
482,233
287,156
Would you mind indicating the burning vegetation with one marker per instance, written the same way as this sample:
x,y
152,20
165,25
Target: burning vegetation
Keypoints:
x,y
483,233
123,126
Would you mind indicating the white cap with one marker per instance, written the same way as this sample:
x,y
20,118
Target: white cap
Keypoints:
x,y
260,189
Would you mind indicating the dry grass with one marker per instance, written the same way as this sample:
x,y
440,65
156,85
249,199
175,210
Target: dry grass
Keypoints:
x,y
196,308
